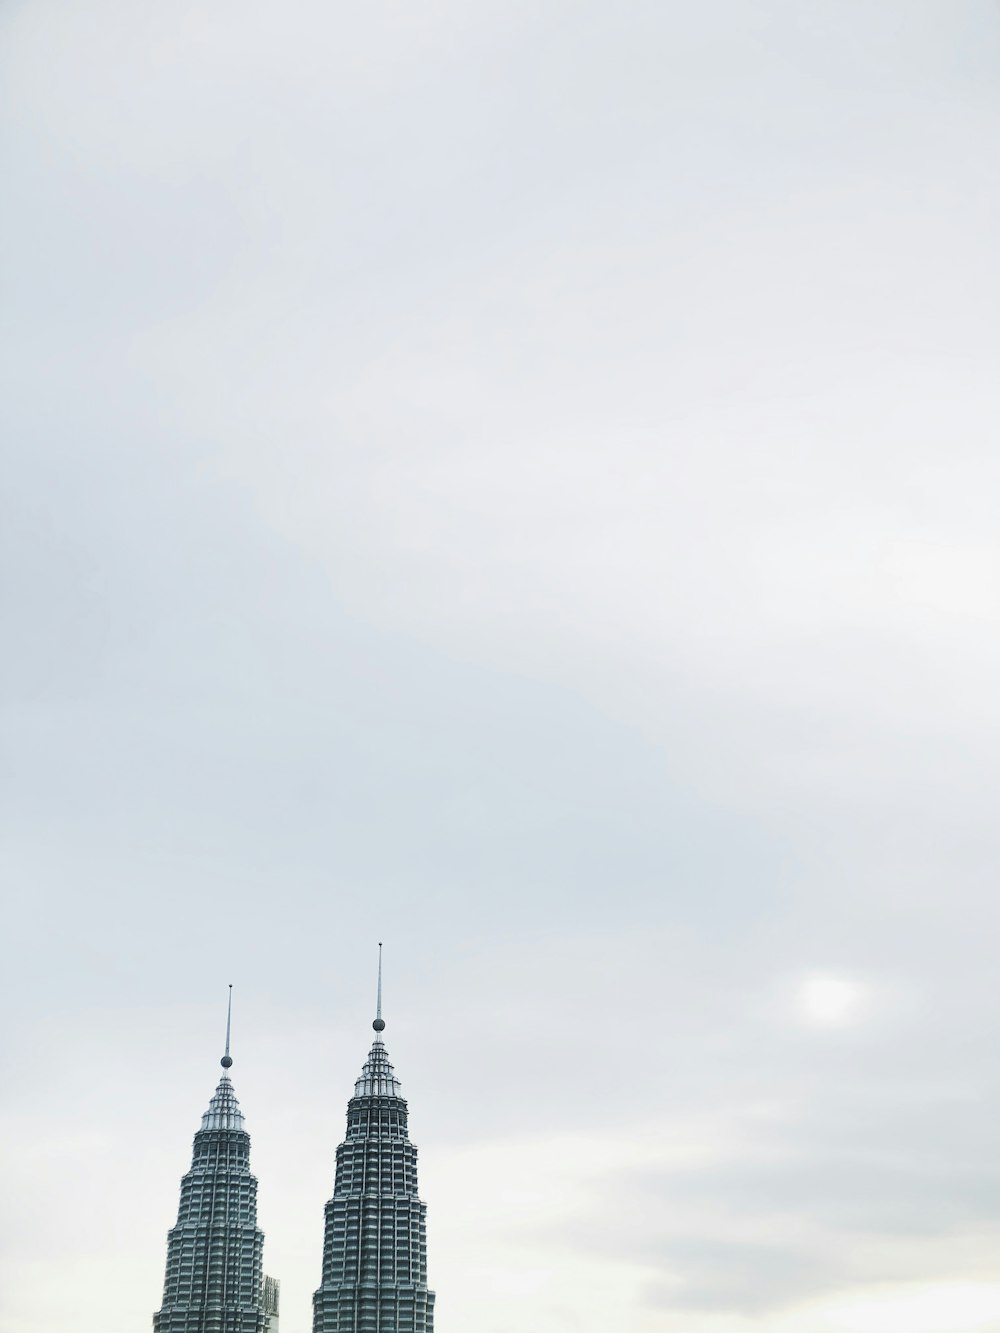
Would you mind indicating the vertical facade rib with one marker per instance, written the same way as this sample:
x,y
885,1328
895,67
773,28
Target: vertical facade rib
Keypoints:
x,y
214,1282
375,1241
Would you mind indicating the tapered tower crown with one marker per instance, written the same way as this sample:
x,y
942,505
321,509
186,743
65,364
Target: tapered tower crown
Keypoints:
x,y
223,1110
378,1078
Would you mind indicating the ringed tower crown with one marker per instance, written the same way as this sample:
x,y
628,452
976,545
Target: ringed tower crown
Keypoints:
x,y
375,1240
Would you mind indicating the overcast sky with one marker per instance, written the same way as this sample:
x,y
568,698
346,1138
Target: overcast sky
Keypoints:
x,y
519,481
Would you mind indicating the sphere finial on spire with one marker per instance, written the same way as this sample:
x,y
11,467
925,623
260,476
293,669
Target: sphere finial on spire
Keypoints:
x,y
227,1060
379,1024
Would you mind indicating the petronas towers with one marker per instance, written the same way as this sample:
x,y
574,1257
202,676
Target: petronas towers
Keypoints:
x,y
375,1244
374,1270
214,1282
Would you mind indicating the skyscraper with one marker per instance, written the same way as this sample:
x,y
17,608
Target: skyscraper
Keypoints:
x,y
375,1241
214,1282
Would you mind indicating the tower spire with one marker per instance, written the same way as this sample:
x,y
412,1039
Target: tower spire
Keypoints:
x,y
213,1278
374,1273
227,1059
379,1024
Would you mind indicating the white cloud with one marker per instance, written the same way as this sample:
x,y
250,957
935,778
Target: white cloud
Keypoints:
x,y
827,1001
932,1308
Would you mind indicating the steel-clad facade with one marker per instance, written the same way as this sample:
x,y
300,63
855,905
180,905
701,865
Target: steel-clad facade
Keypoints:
x,y
214,1282
375,1243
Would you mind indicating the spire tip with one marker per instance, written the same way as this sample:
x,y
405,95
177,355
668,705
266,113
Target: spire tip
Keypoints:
x,y
379,1024
227,1060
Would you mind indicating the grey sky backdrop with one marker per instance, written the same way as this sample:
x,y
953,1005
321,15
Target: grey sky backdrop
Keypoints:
x,y
518,481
